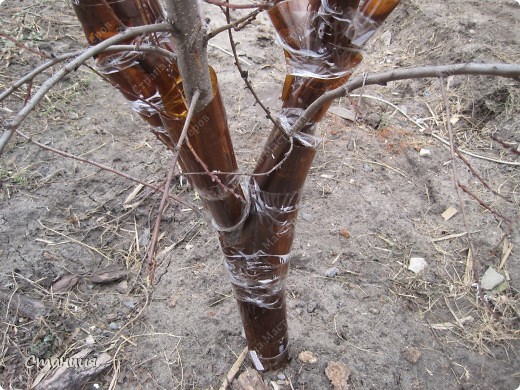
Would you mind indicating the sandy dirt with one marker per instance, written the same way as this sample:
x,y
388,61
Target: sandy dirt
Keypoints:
x,y
371,203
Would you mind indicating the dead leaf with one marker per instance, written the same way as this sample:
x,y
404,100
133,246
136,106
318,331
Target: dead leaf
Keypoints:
x,y
64,283
338,374
307,357
22,305
343,113
344,233
109,274
411,354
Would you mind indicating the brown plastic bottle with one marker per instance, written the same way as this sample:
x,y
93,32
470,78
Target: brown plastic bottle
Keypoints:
x,y
102,19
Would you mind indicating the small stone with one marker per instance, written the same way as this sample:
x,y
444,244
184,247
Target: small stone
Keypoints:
x,y
411,354
425,152
299,311
491,279
130,303
122,287
311,307
367,168
114,326
281,376
417,264
89,340
307,217
338,374
373,310
331,272
307,357
386,37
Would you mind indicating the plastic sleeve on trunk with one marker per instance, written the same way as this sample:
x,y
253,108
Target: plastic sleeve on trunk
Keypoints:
x,y
258,262
323,39
256,279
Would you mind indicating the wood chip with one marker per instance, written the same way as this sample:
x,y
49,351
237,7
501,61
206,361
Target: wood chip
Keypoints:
x,y
449,213
451,325
507,248
249,380
109,274
343,113
133,194
66,377
22,305
64,283
234,370
338,374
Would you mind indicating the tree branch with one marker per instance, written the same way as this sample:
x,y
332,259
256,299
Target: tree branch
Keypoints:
x,y
503,70
152,264
73,65
104,168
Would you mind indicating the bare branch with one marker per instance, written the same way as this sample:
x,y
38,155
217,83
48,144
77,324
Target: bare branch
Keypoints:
x,y
71,66
36,71
244,74
503,70
104,168
19,44
472,254
152,265
239,6
237,24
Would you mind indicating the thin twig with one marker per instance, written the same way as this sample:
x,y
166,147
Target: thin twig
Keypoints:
x,y
238,6
104,168
236,25
472,259
233,370
33,73
38,52
486,206
244,74
151,265
71,66
480,178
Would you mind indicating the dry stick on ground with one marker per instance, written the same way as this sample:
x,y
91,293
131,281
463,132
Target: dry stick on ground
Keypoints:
x,y
514,148
151,265
38,52
71,66
472,255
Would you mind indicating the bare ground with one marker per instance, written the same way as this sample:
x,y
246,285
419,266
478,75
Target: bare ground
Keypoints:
x,y
370,204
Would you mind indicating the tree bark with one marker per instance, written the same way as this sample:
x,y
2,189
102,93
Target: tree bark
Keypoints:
x,y
190,44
